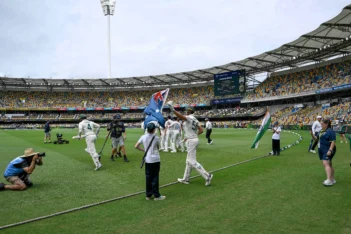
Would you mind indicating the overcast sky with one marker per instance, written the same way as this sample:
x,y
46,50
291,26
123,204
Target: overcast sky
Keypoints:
x,y
68,38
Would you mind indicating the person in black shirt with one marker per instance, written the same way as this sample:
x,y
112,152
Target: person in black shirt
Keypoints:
x,y
47,130
117,129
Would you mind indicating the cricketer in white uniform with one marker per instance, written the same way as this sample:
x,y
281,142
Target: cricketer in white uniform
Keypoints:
x,y
163,138
167,132
176,136
90,130
192,129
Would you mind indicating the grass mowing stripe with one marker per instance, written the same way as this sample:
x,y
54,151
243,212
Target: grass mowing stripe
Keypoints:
x,y
117,198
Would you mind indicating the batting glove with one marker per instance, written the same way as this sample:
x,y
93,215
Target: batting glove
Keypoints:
x,y
170,104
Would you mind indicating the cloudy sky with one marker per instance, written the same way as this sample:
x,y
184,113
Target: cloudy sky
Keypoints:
x,y
68,38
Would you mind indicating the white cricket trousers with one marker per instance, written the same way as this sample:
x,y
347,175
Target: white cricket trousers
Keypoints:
x,y
163,137
168,135
191,160
176,141
90,140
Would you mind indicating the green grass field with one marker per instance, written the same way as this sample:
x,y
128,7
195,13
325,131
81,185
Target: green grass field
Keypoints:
x,y
270,195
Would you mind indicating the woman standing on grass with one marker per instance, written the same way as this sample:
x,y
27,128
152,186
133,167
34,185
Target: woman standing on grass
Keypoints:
x,y
327,150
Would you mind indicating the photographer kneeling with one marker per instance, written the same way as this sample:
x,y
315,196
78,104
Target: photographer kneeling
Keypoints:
x,y
19,170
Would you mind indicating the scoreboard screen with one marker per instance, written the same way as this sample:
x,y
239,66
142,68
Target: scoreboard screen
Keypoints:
x,y
230,83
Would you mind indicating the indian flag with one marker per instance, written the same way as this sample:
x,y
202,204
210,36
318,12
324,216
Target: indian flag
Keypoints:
x,y
263,128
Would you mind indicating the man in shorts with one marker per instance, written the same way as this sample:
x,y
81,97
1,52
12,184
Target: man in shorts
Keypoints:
x,y
18,171
117,128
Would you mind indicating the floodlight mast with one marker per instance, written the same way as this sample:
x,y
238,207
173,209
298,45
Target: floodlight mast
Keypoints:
x,y
108,7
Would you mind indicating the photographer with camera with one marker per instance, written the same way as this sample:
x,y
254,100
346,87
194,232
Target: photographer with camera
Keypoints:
x,y
117,129
19,170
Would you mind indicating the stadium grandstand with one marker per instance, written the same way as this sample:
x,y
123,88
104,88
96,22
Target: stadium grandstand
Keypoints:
x,y
307,77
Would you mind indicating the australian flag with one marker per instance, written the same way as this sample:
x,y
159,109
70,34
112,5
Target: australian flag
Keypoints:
x,y
154,110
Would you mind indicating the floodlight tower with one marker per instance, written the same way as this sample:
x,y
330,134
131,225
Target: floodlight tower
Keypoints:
x,y
108,6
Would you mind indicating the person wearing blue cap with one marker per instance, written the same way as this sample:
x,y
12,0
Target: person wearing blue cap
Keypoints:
x,y
151,144
276,139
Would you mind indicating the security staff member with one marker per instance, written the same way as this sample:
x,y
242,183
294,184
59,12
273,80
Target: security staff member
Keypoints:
x,y
208,131
117,129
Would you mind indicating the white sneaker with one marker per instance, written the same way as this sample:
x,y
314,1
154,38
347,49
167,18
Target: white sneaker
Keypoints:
x,y
211,142
346,142
328,183
183,181
161,148
208,143
165,151
98,167
160,198
313,151
334,181
342,142
173,151
208,181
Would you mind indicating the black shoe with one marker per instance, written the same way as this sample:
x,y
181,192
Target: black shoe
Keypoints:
x,y
2,186
112,158
28,183
119,154
126,159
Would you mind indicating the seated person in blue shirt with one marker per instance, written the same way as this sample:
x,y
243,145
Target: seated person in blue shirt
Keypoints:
x,y
327,150
18,171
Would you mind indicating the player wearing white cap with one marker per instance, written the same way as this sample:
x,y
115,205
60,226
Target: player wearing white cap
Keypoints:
x,y
192,129
316,128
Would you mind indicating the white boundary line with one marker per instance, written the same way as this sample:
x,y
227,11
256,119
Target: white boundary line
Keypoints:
x,y
126,196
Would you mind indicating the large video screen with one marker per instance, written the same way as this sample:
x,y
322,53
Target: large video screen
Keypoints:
x,y
230,83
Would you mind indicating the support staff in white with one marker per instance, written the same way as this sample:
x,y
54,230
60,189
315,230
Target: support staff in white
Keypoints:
x,y
90,130
208,131
192,129
316,128
276,139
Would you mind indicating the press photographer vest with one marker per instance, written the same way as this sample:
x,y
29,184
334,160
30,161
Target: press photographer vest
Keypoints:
x,y
117,131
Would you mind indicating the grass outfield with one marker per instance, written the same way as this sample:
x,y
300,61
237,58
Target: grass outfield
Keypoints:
x,y
270,195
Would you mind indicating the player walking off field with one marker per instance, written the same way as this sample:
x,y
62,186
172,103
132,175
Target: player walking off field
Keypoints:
x,y
167,132
192,129
208,131
90,130
117,129
176,136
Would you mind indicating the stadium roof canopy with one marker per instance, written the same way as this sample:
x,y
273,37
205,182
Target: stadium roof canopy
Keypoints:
x,y
330,39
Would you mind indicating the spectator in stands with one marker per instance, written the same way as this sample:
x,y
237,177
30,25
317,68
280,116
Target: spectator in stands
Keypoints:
x,y
327,150
316,128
